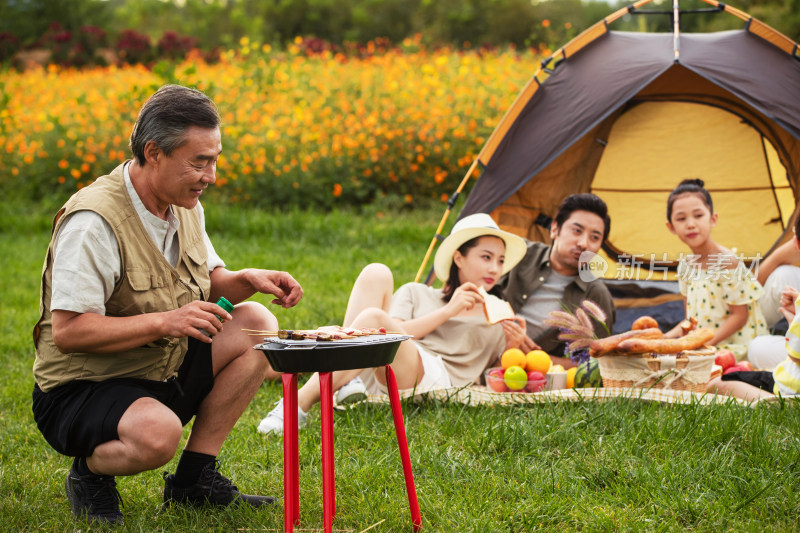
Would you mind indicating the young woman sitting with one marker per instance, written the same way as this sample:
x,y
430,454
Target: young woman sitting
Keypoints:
x,y
452,341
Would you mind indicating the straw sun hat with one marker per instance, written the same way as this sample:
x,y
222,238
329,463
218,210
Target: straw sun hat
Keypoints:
x,y
477,225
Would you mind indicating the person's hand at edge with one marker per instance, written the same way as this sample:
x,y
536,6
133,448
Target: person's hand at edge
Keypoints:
x,y
282,285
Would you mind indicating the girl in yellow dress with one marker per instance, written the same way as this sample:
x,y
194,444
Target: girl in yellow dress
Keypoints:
x,y
719,291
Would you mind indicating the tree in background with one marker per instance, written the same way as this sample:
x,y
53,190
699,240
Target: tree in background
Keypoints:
x,y
781,14
29,20
220,24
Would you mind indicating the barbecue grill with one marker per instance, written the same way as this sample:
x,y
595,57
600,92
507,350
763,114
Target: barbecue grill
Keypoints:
x,y
308,355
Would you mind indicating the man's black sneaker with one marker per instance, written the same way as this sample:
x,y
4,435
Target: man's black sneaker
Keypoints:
x,y
93,497
210,488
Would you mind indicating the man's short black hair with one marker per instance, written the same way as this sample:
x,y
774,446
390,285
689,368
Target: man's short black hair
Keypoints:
x,y
584,202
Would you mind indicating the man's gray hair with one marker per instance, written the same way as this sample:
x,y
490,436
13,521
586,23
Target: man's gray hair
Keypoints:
x,y
166,116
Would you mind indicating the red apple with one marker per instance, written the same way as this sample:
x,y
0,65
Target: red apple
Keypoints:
x,y
495,380
734,368
536,381
747,365
725,359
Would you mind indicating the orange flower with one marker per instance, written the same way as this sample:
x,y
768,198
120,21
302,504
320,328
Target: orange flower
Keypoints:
x,y
545,23
403,123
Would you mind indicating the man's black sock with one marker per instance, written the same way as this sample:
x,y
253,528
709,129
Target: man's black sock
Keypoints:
x,y
189,467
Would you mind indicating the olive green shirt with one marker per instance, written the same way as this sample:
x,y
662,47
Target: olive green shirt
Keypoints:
x,y
520,285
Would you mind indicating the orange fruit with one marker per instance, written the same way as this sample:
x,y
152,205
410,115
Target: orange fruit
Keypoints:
x,y
571,376
539,361
512,357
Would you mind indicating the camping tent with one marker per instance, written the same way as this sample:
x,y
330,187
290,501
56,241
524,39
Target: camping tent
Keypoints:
x,y
629,115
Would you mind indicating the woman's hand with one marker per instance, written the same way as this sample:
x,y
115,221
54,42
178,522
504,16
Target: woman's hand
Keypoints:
x,y
517,336
464,298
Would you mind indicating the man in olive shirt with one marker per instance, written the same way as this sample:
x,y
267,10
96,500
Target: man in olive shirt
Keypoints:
x,y
124,352
547,277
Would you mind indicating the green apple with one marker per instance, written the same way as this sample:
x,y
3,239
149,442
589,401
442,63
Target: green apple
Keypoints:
x,y
515,377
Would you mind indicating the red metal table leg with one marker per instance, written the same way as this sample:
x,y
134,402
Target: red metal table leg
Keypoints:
x,y
296,457
402,443
291,461
330,454
328,479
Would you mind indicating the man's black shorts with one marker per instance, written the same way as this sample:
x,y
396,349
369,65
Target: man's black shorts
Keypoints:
x,y
78,416
758,378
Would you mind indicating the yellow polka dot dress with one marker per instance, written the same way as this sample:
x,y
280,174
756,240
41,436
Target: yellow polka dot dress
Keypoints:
x,y
710,292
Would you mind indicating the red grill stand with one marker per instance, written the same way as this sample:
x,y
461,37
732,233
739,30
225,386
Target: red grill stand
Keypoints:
x,y
291,457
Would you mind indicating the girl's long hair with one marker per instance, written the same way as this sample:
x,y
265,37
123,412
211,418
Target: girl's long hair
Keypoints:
x,y
454,279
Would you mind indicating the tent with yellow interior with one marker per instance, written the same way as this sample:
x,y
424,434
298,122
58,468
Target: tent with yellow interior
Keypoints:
x,y
629,115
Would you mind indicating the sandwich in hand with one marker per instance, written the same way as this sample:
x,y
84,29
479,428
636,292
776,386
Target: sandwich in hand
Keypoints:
x,y
494,308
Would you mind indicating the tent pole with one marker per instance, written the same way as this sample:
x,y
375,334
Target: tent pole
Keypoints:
x,y
676,28
444,219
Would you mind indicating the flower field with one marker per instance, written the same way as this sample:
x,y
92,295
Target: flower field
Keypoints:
x,y
299,128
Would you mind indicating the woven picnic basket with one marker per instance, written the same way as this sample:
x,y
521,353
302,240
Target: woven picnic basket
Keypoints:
x,y
689,370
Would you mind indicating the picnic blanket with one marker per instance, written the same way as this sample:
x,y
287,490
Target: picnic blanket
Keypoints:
x,y
481,395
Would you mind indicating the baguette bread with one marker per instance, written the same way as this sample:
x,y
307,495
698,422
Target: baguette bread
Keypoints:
x,y
494,308
692,341
606,345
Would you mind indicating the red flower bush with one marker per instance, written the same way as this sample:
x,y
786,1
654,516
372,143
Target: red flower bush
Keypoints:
x,y
134,47
74,49
173,46
9,44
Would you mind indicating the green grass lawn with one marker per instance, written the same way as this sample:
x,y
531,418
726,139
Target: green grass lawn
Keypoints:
x,y
587,466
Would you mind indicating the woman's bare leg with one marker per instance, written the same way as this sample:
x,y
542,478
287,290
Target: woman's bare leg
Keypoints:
x,y
372,289
368,307
407,364
738,389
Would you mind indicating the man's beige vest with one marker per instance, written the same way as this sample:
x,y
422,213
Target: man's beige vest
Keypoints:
x,y
148,284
